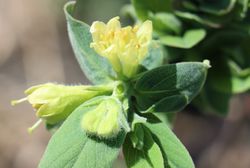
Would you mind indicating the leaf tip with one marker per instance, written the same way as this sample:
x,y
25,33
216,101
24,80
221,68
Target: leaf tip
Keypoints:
x,y
206,63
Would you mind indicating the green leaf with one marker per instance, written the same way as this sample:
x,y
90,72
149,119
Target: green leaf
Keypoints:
x,y
149,156
169,104
174,153
214,100
235,81
96,68
71,147
175,83
159,12
144,7
190,39
245,6
230,72
167,118
137,136
240,84
227,77
128,11
221,7
240,78
155,56
79,9
199,19
52,128
165,22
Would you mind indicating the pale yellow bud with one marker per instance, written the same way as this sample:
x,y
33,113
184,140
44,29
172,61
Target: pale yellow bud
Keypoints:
x,y
54,103
104,119
125,48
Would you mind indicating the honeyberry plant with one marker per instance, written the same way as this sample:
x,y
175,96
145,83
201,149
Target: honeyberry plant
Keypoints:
x,y
120,110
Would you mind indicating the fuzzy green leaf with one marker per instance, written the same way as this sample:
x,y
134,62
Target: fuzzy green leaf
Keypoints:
x,y
96,68
175,84
174,153
169,104
71,147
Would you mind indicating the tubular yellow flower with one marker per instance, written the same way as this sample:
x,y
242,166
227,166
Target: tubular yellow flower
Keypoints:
x,y
55,102
125,48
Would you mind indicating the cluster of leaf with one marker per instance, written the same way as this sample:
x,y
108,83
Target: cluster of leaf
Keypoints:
x,y
193,30
149,143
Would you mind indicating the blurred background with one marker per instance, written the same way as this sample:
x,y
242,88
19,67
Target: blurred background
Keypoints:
x,y
34,49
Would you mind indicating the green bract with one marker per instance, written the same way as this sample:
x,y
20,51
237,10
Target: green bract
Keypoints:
x,y
121,109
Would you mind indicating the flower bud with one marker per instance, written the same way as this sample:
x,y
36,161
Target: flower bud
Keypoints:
x,y
125,48
54,103
105,120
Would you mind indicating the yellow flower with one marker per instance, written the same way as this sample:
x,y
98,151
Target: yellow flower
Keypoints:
x,y
54,103
125,48
105,119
